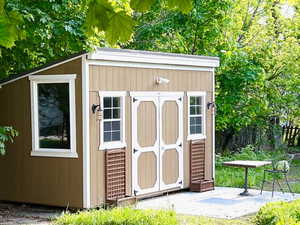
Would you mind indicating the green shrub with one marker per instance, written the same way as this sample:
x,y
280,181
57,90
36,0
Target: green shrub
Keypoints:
x,y
119,216
279,213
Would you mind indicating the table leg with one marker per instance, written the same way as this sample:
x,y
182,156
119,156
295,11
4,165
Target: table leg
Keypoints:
x,y
245,192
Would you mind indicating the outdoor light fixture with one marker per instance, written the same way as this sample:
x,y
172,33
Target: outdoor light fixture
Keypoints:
x,y
210,104
162,80
94,108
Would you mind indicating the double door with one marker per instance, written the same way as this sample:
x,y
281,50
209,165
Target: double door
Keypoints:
x,y
157,141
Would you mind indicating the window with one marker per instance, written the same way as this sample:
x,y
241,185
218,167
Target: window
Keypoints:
x,y
196,119
53,115
112,126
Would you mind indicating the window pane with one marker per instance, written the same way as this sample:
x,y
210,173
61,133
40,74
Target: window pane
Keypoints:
x,y
116,102
192,129
198,130
54,116
192,100
116,113
107,136
116,136
198,110
198,100
197,120
116,126
107,114
107,102
107,126
192,110
192,121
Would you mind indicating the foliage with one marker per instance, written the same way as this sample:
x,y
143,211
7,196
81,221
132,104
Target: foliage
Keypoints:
x,y
53,30
6,134
120,216
258,46
10,22
234,177
279,213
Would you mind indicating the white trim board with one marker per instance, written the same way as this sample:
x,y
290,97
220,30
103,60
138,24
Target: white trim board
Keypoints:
x,y
86,135
148,65
52,79
153,57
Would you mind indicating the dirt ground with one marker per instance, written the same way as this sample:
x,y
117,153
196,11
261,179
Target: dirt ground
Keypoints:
x,y
14,213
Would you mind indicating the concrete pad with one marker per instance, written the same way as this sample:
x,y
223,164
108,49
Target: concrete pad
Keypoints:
x,y
223,202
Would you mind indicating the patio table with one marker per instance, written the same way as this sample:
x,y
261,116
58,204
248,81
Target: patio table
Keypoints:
x,y
246,164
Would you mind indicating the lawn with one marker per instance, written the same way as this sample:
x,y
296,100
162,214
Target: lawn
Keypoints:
x,y
130,216
234,177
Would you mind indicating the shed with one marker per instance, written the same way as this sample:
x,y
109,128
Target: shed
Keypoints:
x,y
108,124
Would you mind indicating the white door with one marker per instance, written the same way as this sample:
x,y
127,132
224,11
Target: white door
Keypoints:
x,y
157,148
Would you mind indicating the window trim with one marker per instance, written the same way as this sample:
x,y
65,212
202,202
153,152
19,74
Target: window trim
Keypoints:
x,y
52,79
201,94
113,144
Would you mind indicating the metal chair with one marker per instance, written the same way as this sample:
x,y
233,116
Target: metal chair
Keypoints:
x,y
279,167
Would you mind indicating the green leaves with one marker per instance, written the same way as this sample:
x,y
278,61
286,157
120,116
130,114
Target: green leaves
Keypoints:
x,y
183,6
141,5
6,134
114,18
9,26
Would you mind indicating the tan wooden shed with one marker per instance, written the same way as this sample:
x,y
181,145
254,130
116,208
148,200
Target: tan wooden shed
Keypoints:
x,y
105,125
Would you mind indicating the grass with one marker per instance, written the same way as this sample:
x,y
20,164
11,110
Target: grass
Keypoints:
x,y
234,177
130,216
201,220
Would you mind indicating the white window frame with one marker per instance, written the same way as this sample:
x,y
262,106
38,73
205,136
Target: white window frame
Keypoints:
x,y
201,94
52,79
122,142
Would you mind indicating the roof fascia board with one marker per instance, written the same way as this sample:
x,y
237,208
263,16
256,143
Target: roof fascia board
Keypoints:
x,y
154,58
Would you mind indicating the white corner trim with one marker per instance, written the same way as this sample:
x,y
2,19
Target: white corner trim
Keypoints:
x,y
153,58
213,130
148,65
86,135
43,69
36,150
113,144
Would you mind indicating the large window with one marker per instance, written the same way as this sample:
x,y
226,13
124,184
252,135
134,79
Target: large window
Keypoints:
x,y
196,119
112,123
53,115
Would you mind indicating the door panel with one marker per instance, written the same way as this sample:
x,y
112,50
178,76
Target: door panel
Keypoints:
x,y
170,166
147,167
171,142
169,127
147,124
145,145
157,162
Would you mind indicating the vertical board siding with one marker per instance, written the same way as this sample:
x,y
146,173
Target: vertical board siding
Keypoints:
x,y
32,179
108,78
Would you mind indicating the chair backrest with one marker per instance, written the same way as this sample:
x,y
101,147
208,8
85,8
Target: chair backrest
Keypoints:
x,y
283,164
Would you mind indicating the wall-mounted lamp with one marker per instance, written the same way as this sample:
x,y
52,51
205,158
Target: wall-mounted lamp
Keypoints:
x,y
211,104
161,80
95,108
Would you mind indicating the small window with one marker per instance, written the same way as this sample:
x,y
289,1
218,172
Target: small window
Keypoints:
x,y
196,120
53,115
112,124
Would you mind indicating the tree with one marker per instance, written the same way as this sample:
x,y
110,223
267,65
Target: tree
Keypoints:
x,y
258,44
